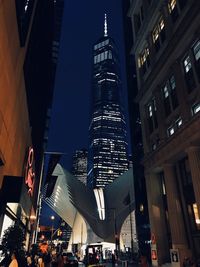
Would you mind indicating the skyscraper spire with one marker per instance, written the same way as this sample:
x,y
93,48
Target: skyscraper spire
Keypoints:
x,y
105,26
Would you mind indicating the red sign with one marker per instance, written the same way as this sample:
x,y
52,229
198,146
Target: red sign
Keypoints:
x,y
154,254
29,172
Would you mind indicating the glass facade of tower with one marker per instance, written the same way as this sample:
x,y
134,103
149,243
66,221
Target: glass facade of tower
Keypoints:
x,y
107,132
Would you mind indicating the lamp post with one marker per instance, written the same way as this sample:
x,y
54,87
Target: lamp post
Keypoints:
x,y
115,232
52,226
39,197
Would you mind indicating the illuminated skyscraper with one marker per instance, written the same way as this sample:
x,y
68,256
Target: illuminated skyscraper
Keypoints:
x,y
107,132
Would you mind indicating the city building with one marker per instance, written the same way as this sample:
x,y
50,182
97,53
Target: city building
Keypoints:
x,y
79,169
40,70
16,153
167,53
141,205
107,154
27,83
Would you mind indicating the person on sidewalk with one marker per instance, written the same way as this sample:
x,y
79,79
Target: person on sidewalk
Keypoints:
x,y
14,262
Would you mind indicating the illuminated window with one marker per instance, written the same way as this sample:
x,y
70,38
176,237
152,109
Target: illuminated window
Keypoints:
x,y
151,115
163,187
179,122
166,92
158,34
170,130
195,108
173,9
187,64
189,76
170,96
141,207
171,5
175,126
196,51
26,5
143,60
196,215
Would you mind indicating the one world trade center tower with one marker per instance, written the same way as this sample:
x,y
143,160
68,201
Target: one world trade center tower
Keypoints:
x,y
108,157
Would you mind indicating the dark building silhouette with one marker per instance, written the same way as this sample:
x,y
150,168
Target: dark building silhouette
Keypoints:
x,y
40,69
107,133
167,55
141,208
27,44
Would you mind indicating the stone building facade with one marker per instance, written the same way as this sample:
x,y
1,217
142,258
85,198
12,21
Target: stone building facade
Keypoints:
x,y
167,52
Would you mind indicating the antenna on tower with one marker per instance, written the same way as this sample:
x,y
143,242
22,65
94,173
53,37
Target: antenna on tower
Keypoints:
x,y
105,26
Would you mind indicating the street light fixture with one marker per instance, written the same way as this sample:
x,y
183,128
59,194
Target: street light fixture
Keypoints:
x,y
52,226
39,197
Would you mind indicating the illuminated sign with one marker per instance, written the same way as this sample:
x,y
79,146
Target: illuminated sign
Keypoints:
x,y
29,171
154,254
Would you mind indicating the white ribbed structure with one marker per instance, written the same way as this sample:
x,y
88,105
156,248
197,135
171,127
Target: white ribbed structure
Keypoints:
x,y
71,196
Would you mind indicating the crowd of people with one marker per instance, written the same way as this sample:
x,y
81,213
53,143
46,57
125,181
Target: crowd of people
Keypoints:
x,y
37,258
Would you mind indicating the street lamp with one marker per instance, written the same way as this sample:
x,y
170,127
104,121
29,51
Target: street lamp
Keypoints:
x,y
115,232
52,226
39,197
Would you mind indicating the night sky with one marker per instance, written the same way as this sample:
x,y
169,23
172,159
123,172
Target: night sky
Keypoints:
x,y
83,25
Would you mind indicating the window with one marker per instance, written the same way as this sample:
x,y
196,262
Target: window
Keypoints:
x,y
143,60
196,215
151,115
170,96
195,108
187,64
171,130
158,34
196,51
179,122
172,5
174,98
102,44
174,126
173,9
189,76
166,100
102,56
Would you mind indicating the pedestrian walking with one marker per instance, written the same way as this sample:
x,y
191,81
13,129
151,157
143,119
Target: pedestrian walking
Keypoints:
x,y
14,262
